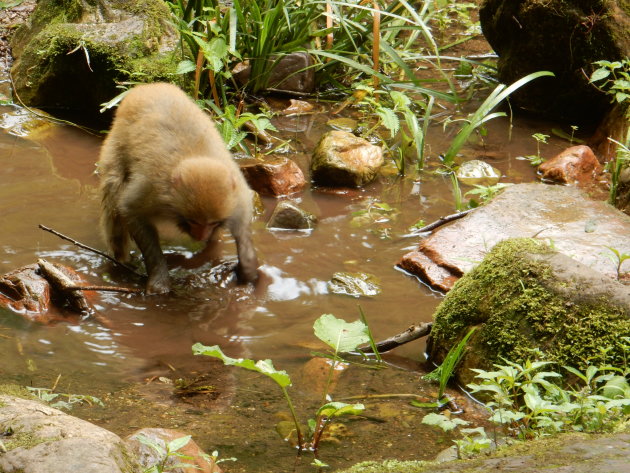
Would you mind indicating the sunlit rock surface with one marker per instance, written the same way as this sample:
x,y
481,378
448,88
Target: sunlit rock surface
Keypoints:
x,y
342,159
288,216
276,176
561,216
576,165
526,296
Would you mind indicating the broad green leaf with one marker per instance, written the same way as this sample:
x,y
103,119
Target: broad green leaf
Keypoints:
x,y
340,335
599,74
185,66
443,422
262,366
389,119
178,443
338,409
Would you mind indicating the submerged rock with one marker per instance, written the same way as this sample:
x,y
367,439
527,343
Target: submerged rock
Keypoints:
x,y
476,172
276,176
342,159
575,165
562,216
354,284
524,296
288,216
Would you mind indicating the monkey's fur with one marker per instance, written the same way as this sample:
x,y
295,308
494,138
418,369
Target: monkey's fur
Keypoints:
x,y
164,160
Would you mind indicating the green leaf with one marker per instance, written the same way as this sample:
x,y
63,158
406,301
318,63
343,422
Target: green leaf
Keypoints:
x,y
388,119
175,445
185,66
262,366
599,74
338,409
443,422
340,335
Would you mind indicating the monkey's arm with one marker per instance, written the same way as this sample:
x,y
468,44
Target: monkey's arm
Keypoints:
x,y
240,227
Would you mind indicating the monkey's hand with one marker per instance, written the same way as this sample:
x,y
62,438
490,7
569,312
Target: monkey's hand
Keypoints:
x,y
246,274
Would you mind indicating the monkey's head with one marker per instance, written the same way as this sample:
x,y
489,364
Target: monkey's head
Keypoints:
x,y
204,194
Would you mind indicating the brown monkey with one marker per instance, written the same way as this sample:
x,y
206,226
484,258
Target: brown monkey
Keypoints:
x,y
164,160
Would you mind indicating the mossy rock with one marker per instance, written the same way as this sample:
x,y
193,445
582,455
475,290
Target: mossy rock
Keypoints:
x,y
525,296
562,36
71,54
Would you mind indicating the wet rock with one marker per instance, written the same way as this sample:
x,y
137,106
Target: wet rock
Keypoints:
x,y
195,457
344,160
316,377
297,107
343,124
476,172
26,292
575,453
564,216
88,50
354,284
419,264
294,72
575,165
531,36
276,176
47,440
523,296
288,216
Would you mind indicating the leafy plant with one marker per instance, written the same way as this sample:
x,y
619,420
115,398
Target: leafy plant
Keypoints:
x,y
537,159
483,113
473,441
613,78
486,193
376,215
443,373
166,452
341,336
617,258
622,158
525,400
48,396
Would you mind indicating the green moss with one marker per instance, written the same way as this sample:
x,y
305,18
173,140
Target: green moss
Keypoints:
x,y
15,391
519,304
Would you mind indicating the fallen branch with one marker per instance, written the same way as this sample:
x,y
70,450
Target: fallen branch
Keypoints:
x,y
412,333
441,221
63,284
106,289
89,248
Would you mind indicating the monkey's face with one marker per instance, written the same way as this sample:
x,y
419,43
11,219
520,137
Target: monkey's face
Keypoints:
x,y
199,230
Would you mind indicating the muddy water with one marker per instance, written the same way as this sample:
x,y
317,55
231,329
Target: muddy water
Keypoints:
x,y
142,344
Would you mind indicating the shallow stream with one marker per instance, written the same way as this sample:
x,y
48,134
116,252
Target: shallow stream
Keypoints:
x,y
141,345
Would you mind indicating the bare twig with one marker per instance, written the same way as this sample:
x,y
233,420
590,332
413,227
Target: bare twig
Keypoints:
x,y
412,333
89,248
442,220
106,288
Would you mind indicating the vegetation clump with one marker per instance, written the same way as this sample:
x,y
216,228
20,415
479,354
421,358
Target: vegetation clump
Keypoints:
x,y
521,303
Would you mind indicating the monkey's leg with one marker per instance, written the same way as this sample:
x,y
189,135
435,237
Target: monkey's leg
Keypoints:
x,y
146,237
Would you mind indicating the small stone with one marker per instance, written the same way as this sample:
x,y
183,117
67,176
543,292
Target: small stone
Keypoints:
x,y
288,216
344,160
575,165
354,284
277,176
476,172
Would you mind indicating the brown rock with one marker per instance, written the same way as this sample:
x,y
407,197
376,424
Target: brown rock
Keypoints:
x,y
316,377
419,264
560,215
288,216
293,73
278,176
342,159
148,457
575,165
26,292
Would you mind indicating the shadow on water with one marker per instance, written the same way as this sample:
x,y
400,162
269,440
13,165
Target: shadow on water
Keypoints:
x,y
135,363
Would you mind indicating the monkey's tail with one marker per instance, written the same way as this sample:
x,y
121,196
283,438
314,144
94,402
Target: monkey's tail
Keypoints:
x,y
113,226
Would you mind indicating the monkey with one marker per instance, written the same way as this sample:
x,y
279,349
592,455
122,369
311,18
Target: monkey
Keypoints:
x,y
164,160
